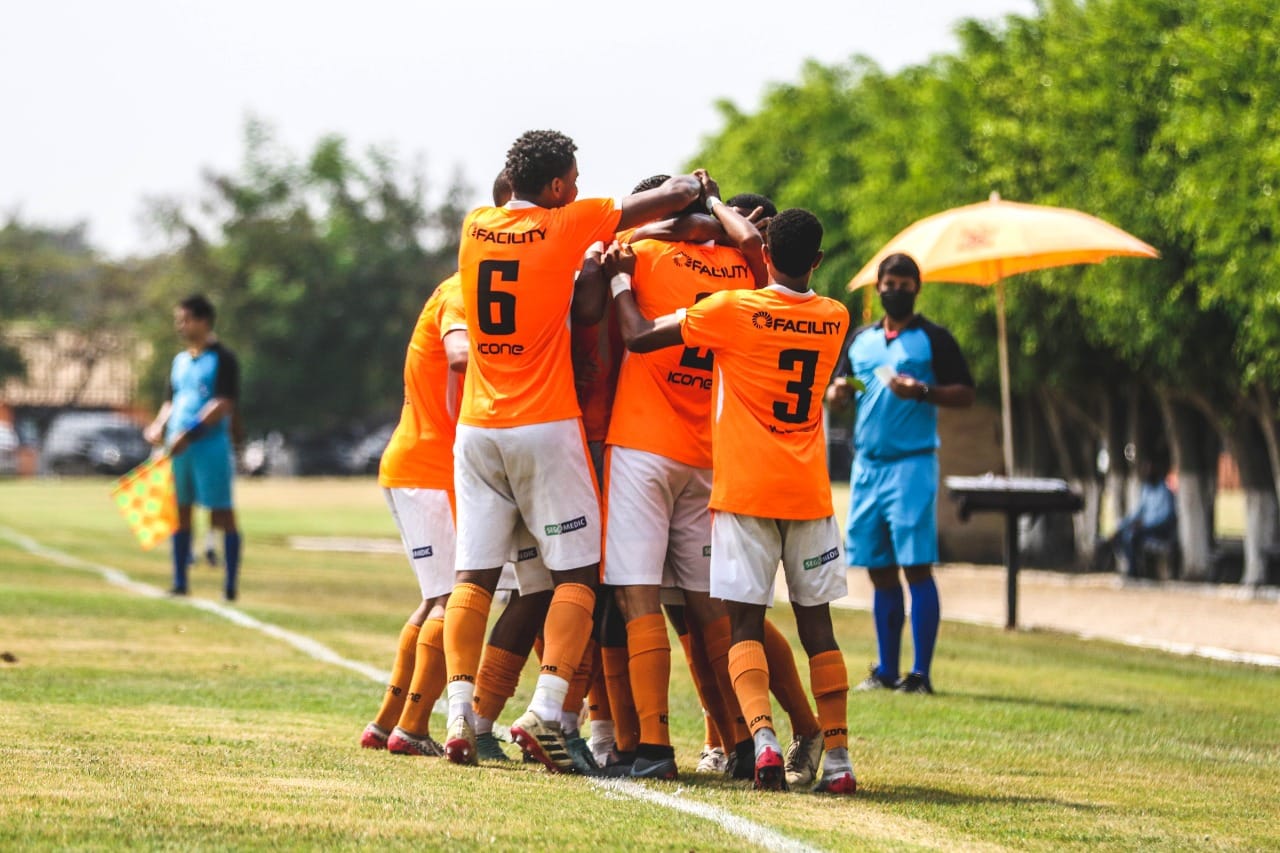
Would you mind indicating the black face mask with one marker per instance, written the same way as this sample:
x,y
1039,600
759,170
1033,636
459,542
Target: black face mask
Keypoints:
x,y
898,304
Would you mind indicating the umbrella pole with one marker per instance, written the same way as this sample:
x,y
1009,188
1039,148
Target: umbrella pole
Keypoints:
x,y
1006,407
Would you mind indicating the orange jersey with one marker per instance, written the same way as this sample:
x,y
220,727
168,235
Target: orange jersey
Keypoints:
x,y
420,453
517,265
774,351
597,356
663,401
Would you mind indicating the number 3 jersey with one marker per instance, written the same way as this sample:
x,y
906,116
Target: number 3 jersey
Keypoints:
x,y
517,265
775,350
663,401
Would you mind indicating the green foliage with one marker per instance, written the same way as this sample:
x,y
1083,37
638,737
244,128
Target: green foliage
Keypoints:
x,y
318,267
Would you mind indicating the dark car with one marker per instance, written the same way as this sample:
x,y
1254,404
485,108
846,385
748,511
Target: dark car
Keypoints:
x,y
93,443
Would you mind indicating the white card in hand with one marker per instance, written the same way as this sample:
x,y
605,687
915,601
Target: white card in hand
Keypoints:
x,y
884,373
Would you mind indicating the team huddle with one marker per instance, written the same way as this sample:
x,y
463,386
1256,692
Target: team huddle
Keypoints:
x,y
612,410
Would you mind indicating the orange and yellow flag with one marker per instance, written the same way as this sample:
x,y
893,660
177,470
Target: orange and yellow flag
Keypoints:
x,y
147,501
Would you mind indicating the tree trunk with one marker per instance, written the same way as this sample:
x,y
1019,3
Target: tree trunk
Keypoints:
x,y
1261,514
1049,539
1077,450
1266,414
1194,446
1114,410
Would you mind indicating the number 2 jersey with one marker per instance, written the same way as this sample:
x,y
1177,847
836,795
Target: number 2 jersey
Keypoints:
x,y
517,265
663,400
775,349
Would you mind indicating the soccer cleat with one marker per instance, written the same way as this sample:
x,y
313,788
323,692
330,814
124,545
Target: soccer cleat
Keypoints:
x,y
402,742
841,782
489,748
770,773
544,741
712,760
803,755
876,681
654,768
914,682
211,557
374,737
460,744
742,762
580,752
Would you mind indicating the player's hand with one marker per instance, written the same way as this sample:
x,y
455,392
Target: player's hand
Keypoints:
x,y
759,220
595,252
907,387
620,258
180,444
709,186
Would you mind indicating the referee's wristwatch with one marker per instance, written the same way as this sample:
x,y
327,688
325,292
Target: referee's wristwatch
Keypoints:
x,y
924,392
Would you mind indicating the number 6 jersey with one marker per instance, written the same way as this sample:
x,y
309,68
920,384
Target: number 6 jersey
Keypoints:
x,y
517,265
775,350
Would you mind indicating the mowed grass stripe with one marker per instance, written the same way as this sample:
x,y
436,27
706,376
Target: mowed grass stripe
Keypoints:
x,y
1035,741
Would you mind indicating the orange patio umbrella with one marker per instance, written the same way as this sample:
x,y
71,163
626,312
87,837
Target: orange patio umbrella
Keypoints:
x,y
986,242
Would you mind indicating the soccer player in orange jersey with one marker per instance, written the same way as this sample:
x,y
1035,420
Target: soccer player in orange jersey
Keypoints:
x,y
775,349
658,481
520,452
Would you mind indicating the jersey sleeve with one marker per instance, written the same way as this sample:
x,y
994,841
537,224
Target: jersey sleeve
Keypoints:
x,y
709,322
227,385
453,313
594,219
949,365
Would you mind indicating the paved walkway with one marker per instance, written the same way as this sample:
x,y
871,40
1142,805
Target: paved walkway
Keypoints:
x,y
1227,622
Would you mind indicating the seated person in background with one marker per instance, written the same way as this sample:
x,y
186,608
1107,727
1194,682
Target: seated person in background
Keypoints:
x,y
1154,519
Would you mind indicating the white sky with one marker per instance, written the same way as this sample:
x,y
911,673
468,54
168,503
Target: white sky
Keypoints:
x,y
104,104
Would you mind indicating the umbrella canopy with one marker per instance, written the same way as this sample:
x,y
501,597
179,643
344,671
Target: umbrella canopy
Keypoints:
x,y
986,242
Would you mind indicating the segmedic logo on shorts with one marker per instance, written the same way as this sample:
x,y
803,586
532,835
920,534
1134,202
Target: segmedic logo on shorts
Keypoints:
x,y
421,552
706,550
814,562
526,554
565,526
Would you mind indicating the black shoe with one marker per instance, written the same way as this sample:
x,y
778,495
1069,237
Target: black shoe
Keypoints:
x,y
876,681
744,763
211,557
914,682
175,592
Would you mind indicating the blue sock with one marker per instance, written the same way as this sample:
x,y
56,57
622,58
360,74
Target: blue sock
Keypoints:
x,y
231,559
926,613
181,541
889,609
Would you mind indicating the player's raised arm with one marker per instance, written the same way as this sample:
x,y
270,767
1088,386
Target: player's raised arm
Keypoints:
x,y
591,289
638,333
674,195
737,228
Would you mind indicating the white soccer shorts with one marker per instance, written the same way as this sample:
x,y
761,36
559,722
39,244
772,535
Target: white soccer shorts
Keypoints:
x,y
540,473
425,521
658,527
745,551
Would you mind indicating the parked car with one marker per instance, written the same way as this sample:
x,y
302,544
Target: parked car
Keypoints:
x,y
366,454
93,443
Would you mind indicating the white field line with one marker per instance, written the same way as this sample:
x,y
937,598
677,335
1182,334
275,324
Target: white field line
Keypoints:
x,y
740,827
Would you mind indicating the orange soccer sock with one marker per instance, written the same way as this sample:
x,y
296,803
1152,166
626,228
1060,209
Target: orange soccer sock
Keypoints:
x,y
401,674
750,670
830,680
617,680
578,686
650,652
598,694
567,629
465,618
785,683
428,679
704,681
496,681
732,723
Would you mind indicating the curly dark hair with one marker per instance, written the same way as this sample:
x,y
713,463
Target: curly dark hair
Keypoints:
x,y
747,202
501,189
651,183
794,240
537,158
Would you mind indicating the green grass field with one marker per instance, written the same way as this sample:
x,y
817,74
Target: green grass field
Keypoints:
x,y
138,722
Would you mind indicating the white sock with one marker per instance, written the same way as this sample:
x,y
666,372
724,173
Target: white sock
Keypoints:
x,y
482,725
548,697
602,737
766,737
837,761
460,694
569,722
